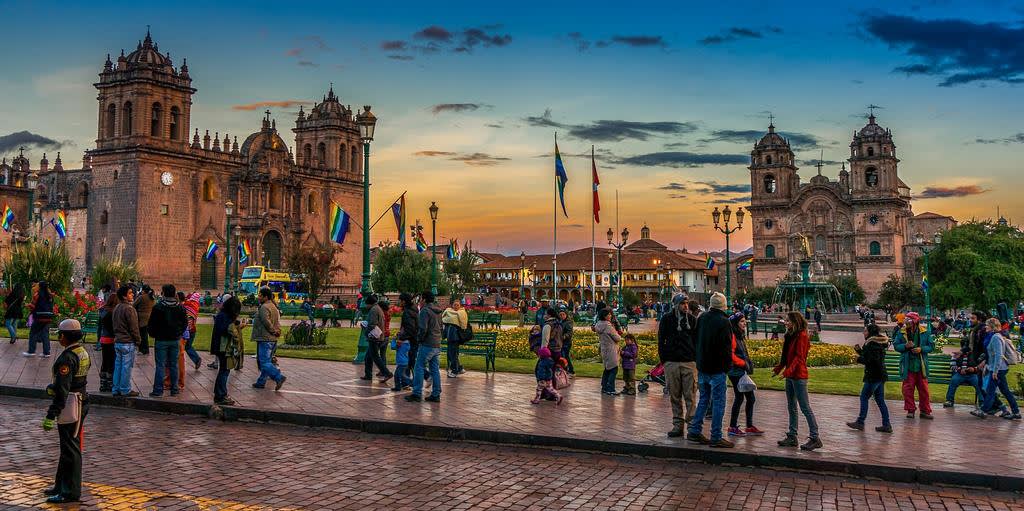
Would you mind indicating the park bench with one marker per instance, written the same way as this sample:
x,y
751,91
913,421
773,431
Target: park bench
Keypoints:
x,y
90,324
350,315
765,327
585,319
291,309
939,371
485,319
483,344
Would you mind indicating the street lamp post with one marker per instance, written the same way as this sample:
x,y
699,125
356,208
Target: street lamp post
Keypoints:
x,y
433,247
367,123
611,270
229,208
236,264
660,268
32,180
726,215
522,276
623,239
927,285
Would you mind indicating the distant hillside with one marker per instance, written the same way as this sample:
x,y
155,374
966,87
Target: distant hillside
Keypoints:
x,y
732,253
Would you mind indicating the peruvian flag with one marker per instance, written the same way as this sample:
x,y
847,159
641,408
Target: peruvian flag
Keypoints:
x,y
597,182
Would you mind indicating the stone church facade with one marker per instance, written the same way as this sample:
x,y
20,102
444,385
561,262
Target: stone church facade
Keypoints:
x,y
860,225
149,194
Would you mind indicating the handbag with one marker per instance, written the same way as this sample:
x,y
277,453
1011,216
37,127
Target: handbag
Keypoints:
x,y
746,384
72,409
466,334
561,379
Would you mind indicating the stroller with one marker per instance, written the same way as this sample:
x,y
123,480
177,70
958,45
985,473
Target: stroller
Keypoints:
x,y
655,375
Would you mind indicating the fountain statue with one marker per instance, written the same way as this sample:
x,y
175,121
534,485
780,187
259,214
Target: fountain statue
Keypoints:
x,y
800,289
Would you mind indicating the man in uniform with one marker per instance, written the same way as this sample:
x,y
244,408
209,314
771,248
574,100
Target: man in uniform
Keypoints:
x,y
68,411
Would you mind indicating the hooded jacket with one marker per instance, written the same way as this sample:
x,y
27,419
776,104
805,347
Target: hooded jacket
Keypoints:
x,y
676,332
714,342
409,329
430,325
872,355
168,320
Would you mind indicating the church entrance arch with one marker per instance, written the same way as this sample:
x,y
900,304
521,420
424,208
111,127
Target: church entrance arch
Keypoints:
x,y
272,250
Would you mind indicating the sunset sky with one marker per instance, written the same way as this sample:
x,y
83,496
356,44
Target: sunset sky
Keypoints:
x,y
470,94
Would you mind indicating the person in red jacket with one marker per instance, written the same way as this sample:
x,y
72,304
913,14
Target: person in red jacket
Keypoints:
x,y
793,367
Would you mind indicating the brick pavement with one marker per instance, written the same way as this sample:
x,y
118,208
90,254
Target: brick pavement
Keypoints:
x,y
137,460
500,403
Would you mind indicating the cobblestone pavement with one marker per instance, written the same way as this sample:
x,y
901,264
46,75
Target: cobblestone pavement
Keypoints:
x,y
137,460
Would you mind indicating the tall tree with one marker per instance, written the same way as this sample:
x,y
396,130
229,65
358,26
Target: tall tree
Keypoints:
x,y
315,263
396,270
977,264
849,290
461,274
899,292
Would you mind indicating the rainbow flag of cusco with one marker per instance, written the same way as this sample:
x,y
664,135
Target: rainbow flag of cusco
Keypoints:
x,y
453,249
924,282
8,217
421,244
745,266
60,223
709,263
339,223
211,248
244,251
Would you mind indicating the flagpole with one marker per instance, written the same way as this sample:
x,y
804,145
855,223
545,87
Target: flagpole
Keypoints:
x,y
554,238
593,238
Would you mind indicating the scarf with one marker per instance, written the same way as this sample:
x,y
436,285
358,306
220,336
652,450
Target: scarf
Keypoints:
x,y
680,316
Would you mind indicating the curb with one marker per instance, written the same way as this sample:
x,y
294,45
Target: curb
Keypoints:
x,y
452,434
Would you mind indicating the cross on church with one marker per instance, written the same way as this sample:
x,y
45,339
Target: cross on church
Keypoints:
x,y
872,108
771,118
820,164
268,114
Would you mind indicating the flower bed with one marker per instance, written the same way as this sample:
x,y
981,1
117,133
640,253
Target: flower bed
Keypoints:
x,y
513,343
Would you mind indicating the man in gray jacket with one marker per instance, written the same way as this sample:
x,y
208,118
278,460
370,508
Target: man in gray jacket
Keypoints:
x,y
266,330
126,339
429,352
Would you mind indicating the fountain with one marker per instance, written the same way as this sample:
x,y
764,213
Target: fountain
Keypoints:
x,y
800,291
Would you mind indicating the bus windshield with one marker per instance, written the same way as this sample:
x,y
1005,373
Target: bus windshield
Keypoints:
x,y
248,287
252,272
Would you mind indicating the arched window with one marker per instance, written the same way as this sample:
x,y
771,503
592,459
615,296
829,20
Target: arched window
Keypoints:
x,y
770,185
311,203
154,121
209,189
275,196
126,119
307,155
354,167
875,248
82,194
321,154
871,177
871,151
175,120
769,251
768,159
819,244
341,157
103,217
208,273
111,119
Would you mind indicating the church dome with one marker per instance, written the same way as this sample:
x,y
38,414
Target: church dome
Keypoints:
x,y
871,129
147,53
330,108
771,139
266,138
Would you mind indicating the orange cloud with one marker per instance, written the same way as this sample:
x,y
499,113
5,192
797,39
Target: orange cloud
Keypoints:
x,y
267,104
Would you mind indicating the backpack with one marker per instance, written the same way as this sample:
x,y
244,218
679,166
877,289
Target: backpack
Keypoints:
x,y
535,341
466,334
1010,353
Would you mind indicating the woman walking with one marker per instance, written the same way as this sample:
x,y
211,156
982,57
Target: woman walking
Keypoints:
x,y
227,345
872,355
106,339
608,340
455,320
12,314
739,332
994,378
793,367
41,315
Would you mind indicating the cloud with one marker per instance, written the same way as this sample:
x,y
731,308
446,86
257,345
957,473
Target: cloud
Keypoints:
x,y
797,141
294,52
433,153
674,186
736,33
457,107
677,196
473,37
959,51
473,159
698,225
394,45
27,139
640,41
678,159
308,63
288,103
434,33
435,39
582,44
401,57
614,130
733,200
941,192
1012,139
715,187
494,125
675,145
319,43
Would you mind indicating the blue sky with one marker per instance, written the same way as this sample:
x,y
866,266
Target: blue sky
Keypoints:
x,y
470,94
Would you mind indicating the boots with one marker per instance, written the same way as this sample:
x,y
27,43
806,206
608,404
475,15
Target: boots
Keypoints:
x,y
106,382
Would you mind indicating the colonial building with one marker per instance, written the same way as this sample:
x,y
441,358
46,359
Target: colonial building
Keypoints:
x,y
860,225
150,195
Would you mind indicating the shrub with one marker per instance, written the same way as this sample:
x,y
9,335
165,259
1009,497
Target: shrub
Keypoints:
x,y
107,271
33,261
305,334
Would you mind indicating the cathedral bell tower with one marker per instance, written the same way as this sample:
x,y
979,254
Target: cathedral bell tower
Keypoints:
x,y
144,100
773,176
328,138
873,163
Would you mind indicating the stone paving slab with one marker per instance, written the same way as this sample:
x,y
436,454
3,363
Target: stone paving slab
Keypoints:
x,y
496,408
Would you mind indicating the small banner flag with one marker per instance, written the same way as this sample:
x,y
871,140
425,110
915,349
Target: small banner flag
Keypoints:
x,y
453,249
60,223
745,266
561,178
421,244
398,209
211,248
339,223
8,217
924,282
244,251
597,200
709,263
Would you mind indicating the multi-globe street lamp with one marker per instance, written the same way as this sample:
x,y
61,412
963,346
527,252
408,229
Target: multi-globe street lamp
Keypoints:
x,y
623,240
725,215
433,248
229,209
923,243
367,124
522,275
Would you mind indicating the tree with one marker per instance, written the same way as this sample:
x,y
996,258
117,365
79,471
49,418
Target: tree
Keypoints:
x,y
757,295
315,265
849,290
977,264
33,261
629,298
396,271
899,292
461,274
113,271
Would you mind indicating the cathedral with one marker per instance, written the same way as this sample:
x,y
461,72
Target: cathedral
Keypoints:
x,y
147,193
861,225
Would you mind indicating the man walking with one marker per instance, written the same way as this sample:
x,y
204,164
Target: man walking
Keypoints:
x,y
429,350
144,306
67,411
375,337
714,359
266,330
677,353
126,338
167,323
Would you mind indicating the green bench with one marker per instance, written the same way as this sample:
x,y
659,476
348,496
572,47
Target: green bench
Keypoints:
x,y
587,319
939,370
335,315
291,309
90,324
485,319
483,344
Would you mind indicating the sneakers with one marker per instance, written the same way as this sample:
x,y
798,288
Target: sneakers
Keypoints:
x,y
1015,417
199,363
413,398
213,365
947,404
27,354
926,416
156,394
789,441
535,401
859,426
979,414
280,383
258,386
753,431
433,399
736,432
453,374
812,444
676,432
722,444
610,393
910,415
44,355
698,438
225,402
884,429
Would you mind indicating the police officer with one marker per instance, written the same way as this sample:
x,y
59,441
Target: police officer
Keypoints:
x,y
68,410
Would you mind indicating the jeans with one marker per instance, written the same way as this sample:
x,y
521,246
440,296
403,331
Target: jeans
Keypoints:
x,y
124,360
432,356
402,376
39,333
264,356
12,328
876,390
567,355
738,399
373,358
1002,386
712,393
796,394
220,387
916,380
608,380
963,379
191,352
165,354
452,336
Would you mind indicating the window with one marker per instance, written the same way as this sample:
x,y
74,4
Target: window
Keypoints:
x,y
209,189
175,120
154,121
165,209
875,248
311,203
111,119
871,177
768,159
354,167
103,217
342,152
819,244
769,251
321,154
126,119
307,155
871,151
770,184
82,195
208,273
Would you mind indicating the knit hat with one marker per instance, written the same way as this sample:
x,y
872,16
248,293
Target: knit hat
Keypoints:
x,y
718,302
679,298
544,352
913,316
191,308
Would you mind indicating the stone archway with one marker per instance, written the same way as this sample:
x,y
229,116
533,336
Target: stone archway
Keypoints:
x,y
272,250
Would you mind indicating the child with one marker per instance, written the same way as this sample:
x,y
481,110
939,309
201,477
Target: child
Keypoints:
x,y
402,381
627,355
545,372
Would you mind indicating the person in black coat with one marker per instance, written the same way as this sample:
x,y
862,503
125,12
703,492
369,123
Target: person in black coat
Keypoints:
x,y
409,329
872,355
14,302
677,353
